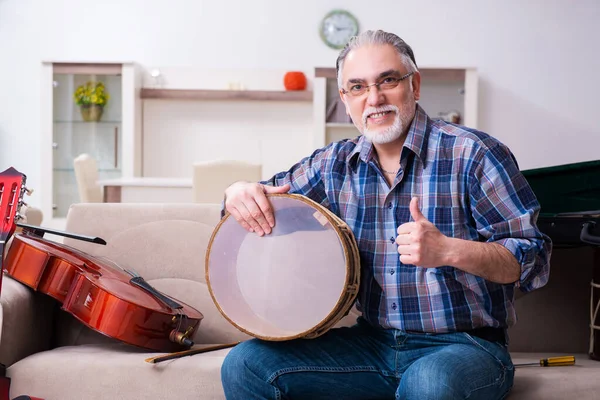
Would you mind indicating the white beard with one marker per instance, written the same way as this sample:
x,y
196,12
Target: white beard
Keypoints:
x,y
393,132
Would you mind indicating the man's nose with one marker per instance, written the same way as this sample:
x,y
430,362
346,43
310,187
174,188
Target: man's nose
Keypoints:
x,y
374,96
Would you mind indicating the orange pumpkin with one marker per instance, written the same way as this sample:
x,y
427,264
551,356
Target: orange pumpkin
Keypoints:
x,y
294,80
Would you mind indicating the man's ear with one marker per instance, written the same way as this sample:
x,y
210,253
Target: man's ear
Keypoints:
x,y
416,85
343,97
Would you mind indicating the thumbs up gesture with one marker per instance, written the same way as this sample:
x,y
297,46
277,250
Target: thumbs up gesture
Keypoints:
x,y
420,243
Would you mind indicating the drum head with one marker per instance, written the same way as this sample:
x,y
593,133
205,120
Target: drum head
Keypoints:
x,y
281,285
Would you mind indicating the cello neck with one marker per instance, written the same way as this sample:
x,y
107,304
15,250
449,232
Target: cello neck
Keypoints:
x,y
39,231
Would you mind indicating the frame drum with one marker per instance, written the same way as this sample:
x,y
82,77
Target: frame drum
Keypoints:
x,y
296,282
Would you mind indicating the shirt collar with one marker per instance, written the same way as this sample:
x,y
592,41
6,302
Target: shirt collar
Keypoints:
x,y
416,140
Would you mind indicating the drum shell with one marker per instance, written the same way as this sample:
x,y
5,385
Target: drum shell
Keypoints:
x,y
350,285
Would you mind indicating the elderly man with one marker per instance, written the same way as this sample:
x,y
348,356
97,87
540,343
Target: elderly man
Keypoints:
x,y
446,228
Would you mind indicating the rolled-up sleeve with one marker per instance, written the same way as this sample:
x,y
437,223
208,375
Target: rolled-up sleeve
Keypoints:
x,y
505,210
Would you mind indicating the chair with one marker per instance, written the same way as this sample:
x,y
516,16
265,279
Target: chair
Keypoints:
x,y
34,216
86,174
211,178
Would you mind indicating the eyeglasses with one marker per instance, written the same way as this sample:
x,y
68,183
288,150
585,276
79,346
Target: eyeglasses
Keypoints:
x,y
387,83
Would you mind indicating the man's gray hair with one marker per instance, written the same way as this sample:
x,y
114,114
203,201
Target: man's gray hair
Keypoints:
x,y
376,38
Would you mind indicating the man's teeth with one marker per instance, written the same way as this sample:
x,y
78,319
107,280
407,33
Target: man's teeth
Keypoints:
x,y
378,115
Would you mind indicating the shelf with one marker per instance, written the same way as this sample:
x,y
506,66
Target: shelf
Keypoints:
x,y
88,123
196,94
99,169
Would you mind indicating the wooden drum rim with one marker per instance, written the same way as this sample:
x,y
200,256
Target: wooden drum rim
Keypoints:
x,y
351,284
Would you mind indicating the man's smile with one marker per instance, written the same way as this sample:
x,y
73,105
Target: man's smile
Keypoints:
x,y
379,117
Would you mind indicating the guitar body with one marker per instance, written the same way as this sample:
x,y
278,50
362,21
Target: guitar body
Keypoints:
x,y
101,294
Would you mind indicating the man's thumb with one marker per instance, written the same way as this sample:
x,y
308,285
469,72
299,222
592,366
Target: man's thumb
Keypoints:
x,y
414,210
276,189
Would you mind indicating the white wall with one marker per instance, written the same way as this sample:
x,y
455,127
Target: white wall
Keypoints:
x,y
538,60
274,134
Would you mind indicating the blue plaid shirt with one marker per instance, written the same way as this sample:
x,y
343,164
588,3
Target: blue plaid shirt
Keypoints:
x,y
469,187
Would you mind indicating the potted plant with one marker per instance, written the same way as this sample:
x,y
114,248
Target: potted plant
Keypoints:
x,y
91,99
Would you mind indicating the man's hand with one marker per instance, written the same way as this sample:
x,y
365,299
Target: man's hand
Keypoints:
x,y
248,204
420,243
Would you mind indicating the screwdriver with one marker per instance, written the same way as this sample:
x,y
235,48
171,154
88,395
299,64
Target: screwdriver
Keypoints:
x,y
552,362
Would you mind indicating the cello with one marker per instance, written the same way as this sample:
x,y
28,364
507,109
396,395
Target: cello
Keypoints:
x,y
108,298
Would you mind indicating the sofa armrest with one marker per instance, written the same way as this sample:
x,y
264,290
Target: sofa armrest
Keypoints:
x,y
25,321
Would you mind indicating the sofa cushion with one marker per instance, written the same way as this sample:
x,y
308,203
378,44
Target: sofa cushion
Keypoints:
x,y
108,219
158,249
23,311
579,381
157,241
120,372
161,249
116,372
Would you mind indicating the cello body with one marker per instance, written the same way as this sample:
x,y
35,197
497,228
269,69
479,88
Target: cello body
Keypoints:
x,y
102,295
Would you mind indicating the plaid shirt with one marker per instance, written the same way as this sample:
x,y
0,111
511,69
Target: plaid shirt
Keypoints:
x,y
469,187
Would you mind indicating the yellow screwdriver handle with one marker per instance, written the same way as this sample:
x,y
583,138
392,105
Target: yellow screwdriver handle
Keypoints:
x,y
557,361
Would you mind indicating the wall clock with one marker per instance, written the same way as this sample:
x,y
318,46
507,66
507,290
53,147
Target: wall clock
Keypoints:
x,y
337,27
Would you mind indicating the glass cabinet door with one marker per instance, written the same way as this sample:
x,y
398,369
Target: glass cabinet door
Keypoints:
x,y
83,128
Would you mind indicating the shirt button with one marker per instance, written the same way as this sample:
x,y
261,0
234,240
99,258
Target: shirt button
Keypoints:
x,y
390,205
392,239
392,272
394,306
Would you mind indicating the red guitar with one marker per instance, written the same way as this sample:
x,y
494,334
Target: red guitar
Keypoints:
x,y
12,188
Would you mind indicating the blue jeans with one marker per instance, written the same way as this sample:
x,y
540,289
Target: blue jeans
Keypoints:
x,y
362,362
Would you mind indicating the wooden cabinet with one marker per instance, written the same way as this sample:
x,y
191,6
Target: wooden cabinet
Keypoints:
x,y
443,91
113,139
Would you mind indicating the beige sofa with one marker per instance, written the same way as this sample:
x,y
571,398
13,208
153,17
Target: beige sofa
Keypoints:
x,y
50,355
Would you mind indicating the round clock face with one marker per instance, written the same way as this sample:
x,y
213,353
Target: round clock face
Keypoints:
x,y
337,28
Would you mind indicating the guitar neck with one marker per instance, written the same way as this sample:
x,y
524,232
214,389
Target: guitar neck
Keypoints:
x,y
12,188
